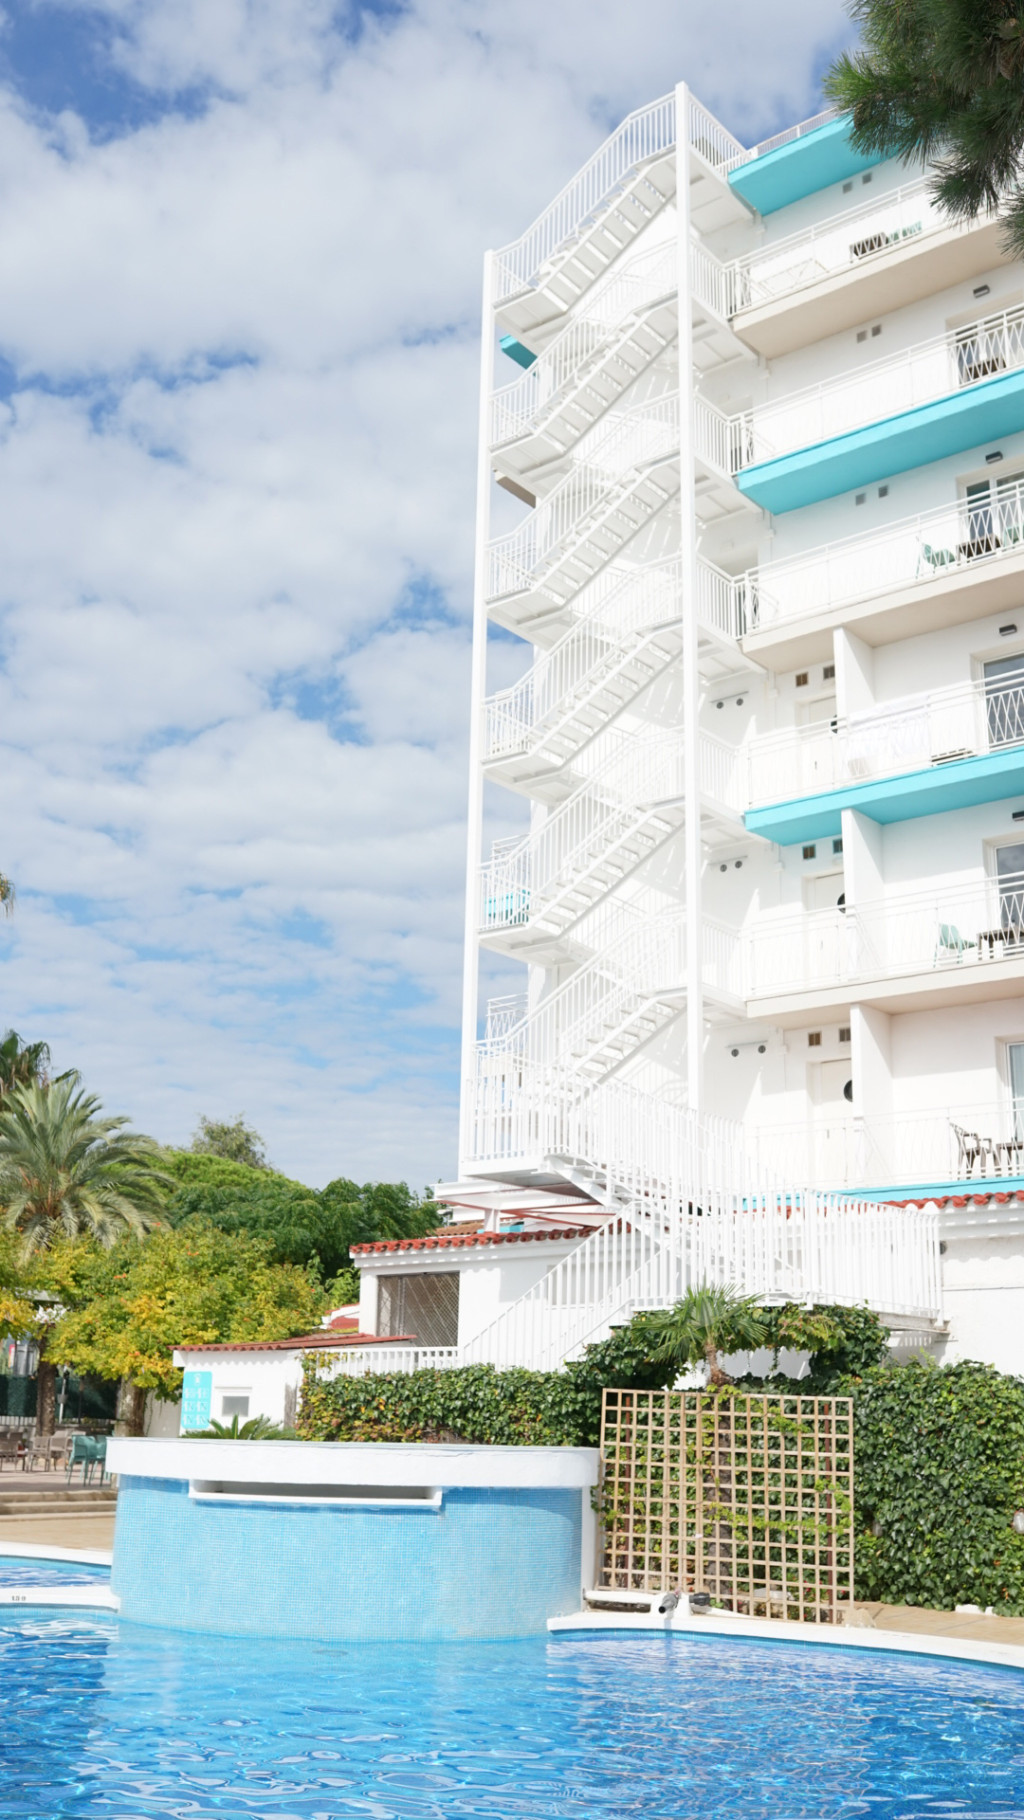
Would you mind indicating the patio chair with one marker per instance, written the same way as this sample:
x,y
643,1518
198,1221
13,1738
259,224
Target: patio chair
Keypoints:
x,y
10,1446
937,559
951,944
971,1149
87,1451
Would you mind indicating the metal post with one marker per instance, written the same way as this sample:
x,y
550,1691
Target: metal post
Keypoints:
x,y
688,612
478,690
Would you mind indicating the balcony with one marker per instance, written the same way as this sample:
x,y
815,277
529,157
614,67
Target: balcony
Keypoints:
x,y
962,1147
964,941
921,755
931,400
861,262
937,568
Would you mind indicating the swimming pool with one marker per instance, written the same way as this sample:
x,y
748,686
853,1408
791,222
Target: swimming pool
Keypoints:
x,y
110,1719
24,1570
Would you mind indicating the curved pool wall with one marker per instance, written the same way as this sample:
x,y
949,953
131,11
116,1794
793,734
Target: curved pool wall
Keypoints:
x,y
351,1542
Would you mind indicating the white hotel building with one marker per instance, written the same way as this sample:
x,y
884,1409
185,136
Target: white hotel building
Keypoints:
x,y
764,413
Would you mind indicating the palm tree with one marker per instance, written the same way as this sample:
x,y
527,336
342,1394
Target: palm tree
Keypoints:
x,y
22,1064
706,1322
943,79
67,1172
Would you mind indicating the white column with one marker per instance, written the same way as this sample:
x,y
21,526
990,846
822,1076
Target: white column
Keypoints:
x,y
478,692
688,590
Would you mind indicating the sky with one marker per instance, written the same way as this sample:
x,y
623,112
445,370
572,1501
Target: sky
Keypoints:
x,y
240,260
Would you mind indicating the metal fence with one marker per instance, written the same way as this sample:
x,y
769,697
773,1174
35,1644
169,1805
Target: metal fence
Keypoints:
x,y
748,1498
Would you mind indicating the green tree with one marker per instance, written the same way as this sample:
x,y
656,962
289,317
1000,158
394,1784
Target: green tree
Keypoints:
x,y
66,1173
192,1285
943,80
22,1064
232,1139
706,1322
305,1225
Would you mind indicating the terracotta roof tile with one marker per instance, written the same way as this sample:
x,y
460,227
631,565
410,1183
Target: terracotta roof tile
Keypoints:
x,y
445,1240
324,1339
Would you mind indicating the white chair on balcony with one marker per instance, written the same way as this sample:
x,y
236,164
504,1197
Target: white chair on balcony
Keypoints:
x,y
972,1149
951,945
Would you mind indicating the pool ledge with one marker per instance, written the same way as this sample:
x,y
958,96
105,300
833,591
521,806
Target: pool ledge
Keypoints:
x,y
1001,1655
45,1551
86,1598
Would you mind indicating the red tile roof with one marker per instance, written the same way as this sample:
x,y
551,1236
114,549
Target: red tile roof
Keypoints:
x,y
444,1240
993,1197
305,1342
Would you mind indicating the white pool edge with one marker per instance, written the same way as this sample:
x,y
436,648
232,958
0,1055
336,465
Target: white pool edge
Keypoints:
x,y
82,1598
774,1630
43,1551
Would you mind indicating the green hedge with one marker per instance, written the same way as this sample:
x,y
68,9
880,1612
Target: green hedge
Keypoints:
x,y
938,1475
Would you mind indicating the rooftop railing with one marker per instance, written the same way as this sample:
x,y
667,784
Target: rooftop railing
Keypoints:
x,y
926,547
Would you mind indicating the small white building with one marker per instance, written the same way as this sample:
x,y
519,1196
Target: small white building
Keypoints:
x,y
257,1377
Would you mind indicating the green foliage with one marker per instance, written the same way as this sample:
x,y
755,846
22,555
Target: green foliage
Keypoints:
x,y
305,1226
22,1064
193,1285
256,1428
942,79
709,1320
939,1473
842,1342
478,1403
232,1139
65,1171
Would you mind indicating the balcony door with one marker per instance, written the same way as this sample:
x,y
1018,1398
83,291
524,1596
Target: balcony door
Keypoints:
x,y
1015,1053
1004,701
1010,882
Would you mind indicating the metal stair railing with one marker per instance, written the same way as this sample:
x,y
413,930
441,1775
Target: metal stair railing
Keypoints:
x,y
600,477
612,310
641,602
648,954
695,1212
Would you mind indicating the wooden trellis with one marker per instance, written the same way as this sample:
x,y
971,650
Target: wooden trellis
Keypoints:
x,y
747,1498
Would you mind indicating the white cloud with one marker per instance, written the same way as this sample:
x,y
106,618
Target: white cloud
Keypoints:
x,y
236,513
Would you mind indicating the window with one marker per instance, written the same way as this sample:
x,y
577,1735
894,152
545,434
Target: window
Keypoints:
x,y
844,1033
234,1403
814,1039
837,844
810,853
828,672
424,1305
802,678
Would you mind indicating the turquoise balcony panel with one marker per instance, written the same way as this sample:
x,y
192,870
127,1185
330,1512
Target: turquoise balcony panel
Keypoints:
x,y
963,783
965,419
516,351
800,168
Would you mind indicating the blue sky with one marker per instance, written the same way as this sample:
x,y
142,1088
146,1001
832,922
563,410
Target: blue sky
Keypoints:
x,y
240,246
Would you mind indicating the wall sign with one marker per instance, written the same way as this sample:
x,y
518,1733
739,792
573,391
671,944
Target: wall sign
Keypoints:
x,y
196,1400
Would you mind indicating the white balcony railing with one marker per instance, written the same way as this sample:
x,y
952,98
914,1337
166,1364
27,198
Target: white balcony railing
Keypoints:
x,y
845,241
917,375
913,733
366,1361
955,928
912,551
961,1142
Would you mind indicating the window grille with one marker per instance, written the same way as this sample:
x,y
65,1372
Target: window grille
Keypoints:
x,y
748,1498
423,1304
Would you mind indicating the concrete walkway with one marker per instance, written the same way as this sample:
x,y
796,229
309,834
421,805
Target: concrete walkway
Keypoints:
x,y
916,1620
42,1507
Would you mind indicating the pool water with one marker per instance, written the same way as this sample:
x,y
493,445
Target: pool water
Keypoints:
x,y
130,1723
22,1570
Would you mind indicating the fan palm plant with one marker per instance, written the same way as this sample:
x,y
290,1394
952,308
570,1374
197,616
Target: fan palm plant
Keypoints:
x,y
65,1171
708,1321
255,1428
